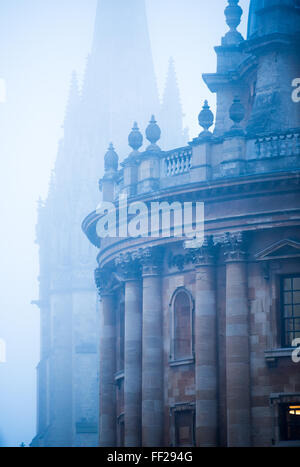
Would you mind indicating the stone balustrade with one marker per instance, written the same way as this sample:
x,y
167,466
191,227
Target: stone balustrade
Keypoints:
x,y
177,162
287,144
209,158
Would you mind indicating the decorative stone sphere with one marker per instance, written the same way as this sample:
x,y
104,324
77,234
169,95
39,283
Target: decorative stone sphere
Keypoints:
x,y
206,117
135,138
153,132
111,159
237,111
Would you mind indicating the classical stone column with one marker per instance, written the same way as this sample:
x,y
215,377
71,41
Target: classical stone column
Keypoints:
x,y
133,351
107,428
237,343
152,392
206,346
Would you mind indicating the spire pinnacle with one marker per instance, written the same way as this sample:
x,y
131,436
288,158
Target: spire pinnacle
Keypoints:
x,y
105,95
171,111
171,88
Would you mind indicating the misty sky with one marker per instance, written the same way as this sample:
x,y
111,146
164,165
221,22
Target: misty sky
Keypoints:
x,y
41,42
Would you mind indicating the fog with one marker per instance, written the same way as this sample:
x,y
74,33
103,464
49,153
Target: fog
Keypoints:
x,y
41,43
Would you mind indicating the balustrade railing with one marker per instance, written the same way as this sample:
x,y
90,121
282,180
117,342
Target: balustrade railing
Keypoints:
x,y
178,162
287,144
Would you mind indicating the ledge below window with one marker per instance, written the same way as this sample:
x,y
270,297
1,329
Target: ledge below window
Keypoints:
x,y
287,444
272,356
119,376
183,361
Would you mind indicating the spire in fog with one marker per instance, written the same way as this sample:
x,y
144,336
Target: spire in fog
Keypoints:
x,y
171,112
120,74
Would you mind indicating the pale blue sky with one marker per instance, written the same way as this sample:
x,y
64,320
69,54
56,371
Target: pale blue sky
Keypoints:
x,y
41,42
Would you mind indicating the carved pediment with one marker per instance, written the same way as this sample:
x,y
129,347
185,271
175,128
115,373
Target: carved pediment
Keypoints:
x,y
280,250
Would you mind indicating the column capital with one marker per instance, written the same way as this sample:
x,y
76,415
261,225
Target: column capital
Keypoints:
x,y
234,245
206,254
103,281
150,259
128,266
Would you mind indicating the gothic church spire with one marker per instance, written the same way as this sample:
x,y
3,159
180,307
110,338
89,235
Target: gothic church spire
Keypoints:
x,y
171,112
120,75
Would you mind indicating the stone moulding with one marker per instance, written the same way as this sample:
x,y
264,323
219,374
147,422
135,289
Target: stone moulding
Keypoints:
x,y
283,249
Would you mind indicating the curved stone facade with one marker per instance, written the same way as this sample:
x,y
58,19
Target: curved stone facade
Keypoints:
x,y
236,383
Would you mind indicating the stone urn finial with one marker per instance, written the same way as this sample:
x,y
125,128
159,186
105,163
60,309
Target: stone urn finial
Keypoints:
x,y
233,13
111,160
206,119
237,113
135,138
153,134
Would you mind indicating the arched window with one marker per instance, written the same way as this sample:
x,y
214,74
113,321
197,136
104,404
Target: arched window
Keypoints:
x,y
182,325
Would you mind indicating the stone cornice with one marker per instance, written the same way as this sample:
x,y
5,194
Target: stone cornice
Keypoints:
x,y
258,187
273,41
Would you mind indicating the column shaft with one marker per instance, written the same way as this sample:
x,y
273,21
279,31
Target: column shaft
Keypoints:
x,y
107,373
133,364
152,399
237,356
206,358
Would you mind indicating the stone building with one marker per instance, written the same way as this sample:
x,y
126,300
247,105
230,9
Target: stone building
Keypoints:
x,y
197,345
112,95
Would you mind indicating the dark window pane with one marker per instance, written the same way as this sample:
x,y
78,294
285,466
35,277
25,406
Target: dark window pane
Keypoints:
x,y
288,284
290,338
290,422
297,310
296,283
183,331
296,297
288,311
288,298
184,427
297,324
289,325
